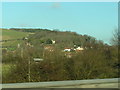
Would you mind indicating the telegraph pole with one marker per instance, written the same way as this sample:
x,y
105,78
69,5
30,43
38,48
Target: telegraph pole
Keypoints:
x,y
29,69
22,52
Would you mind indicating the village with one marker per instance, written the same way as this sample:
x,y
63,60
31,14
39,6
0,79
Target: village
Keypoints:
x,y
68,51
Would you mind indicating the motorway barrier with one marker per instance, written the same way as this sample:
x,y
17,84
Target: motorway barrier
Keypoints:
x,y
91,83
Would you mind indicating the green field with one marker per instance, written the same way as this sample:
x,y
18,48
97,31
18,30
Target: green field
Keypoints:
x,y
12,34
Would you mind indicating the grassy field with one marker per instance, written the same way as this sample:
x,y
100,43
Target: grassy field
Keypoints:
x,y
11,43
11,34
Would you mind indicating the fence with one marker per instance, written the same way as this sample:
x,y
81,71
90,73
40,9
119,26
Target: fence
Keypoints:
x,y
92,83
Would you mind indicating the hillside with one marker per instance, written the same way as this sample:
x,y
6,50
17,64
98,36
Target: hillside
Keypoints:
x,y
12,35
44,36
63,39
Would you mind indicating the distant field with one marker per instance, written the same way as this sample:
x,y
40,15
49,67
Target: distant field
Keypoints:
x,y
11,43
11,34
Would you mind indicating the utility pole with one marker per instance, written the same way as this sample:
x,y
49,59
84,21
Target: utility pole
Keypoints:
x,y
43,51
43,54
28,64
29,69
22,52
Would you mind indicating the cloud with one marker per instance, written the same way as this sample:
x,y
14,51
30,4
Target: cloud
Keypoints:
x,y
56,5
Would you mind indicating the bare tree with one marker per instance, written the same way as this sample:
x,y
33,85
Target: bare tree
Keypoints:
x,y
116,37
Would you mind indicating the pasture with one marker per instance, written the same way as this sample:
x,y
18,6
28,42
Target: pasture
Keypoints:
x,y
12,34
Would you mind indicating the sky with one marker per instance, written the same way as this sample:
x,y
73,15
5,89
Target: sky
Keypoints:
x,y
97,19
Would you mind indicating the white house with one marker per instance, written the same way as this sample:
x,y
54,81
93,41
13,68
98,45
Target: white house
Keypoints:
x,y
79,48
67,49
53,42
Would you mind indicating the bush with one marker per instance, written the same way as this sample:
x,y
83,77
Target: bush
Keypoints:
x,y
87,64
